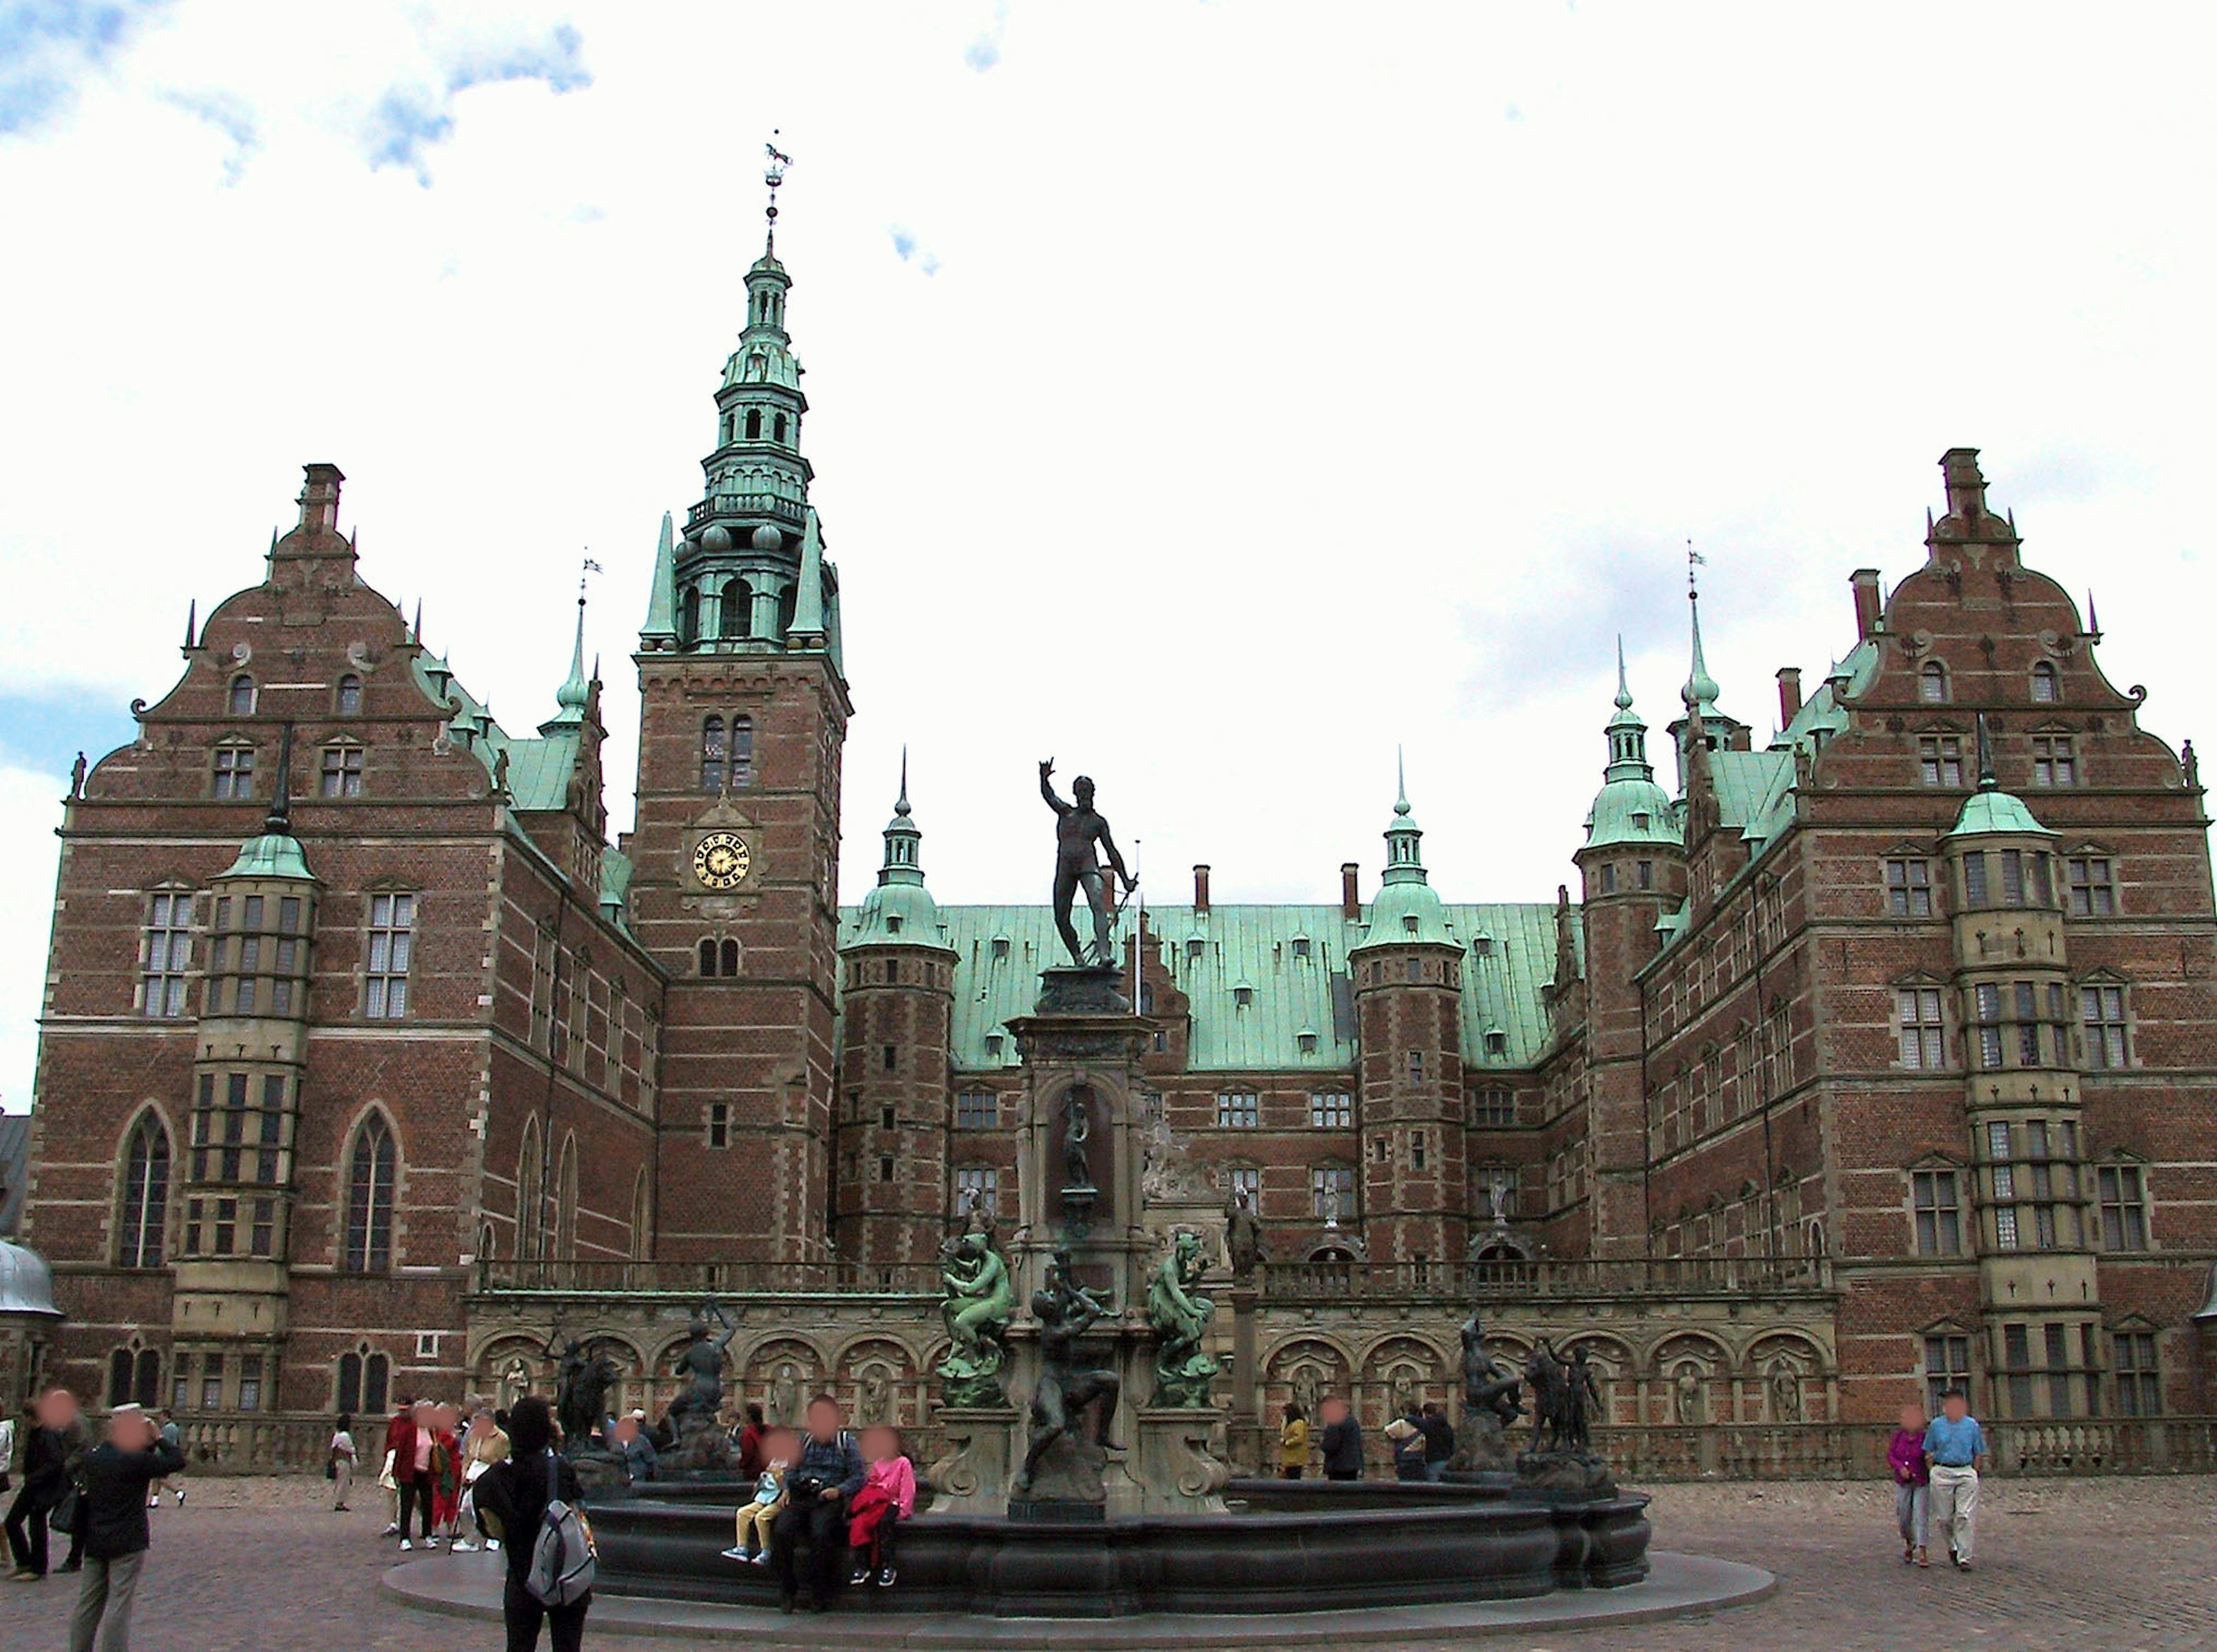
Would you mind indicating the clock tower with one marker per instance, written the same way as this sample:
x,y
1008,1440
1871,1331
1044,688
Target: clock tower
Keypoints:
x,y
744,710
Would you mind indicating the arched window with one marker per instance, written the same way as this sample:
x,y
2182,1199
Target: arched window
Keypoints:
x,y
349,700
737,617
689,614
147,1378
362,1379
530,1175
2043,682
373,1168
566,1201
642,1224
145,1214
119,1370
714,752
754,424
241,702
1932,683
727,957
707,955
743,752
777,428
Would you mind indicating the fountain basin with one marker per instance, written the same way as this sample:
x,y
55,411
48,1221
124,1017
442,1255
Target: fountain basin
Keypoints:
x,y
1287,1546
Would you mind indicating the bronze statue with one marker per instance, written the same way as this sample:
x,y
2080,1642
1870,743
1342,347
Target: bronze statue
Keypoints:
x,y
1180,1316
1243,1234
1488,1386
1067,1386
1077,1130
1565,1394
977,1301
702,1364
1079,828
583,1376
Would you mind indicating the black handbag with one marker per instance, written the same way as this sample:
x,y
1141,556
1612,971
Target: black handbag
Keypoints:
x,y
67,1511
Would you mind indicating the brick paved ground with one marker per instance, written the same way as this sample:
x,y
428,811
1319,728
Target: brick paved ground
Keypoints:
x,y
2121,1565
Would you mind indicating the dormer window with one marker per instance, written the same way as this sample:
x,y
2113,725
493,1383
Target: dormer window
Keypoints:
x,y
349,697
1192,949
1932,683
1301,946
1306,1039
1000,948
993,1045
241,701
1243,995
1409,922
2043,684
1497,1043
1640,819
892,923
1483,946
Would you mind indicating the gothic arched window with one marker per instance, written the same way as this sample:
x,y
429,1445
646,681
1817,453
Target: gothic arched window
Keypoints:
x,y
715,754
1932,683
529,1176
372,1170
2043,682
241,702
689,614
743,752
708,955
777,428
737,618
145,1214
566,1201
727,957
349,697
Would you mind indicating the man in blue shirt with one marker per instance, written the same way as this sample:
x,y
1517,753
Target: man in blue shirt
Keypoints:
x,y
817,1489
1955,1445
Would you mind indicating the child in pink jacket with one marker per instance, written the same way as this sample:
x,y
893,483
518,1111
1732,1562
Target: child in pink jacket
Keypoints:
x,y
887,1497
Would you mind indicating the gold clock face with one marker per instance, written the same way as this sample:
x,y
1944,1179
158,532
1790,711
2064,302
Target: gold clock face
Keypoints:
x,y
721,860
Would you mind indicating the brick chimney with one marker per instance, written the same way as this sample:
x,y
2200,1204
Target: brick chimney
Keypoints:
x,y
1966,489
1200,888
1350,894
1868,608
1789,693
319,500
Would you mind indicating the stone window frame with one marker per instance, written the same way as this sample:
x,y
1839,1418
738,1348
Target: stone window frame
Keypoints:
x,y
1937,1187
1331,1109
979,1182
1920,1024
341,761
2081,865
1914,865
1238,1109
1959,1346
2136,1366
1931,676
144,1221
379,973
165,978
2133,1200
2044,671
232,769
2056,762
2107,1035
1332,1174
977,1109
379,1215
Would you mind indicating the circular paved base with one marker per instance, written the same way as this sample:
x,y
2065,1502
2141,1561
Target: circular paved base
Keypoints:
x,y
469,1587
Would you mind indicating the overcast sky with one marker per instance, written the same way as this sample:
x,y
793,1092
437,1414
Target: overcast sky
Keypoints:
x,y
1214,397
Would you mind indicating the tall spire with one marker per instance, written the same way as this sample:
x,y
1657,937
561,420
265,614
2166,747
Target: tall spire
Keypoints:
x,y
1623,687
902,837
279,822
661,628
773,176
1404,861
577,688
1627,735
806,630
1699,693
1988,782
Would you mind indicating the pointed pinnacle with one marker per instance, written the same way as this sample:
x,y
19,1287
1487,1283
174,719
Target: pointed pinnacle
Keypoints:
x,y
1400,782
1987,781
1623,688
416,631
901,806
191,622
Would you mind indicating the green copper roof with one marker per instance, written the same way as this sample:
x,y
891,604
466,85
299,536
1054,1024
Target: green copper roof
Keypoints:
x,y
1633,810
274,854
900,910
1995,810
615,884
999,951
807,630
661,596
1407,908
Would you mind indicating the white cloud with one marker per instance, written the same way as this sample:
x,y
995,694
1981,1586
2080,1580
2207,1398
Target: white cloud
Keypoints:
x,y
1296,381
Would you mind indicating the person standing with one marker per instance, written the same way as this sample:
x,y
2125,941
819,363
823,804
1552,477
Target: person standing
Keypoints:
x,y
634,1450
46,1477
750,1443
1292,1442
399,1451
514,1493
342,1462
485,1444
412,1468
1912,1477
1342,1440
1439,1441
1953,1446
112,1517
818,1490
171,1436
1405,1435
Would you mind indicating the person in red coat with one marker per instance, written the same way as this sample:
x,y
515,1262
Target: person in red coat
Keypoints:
x,y
399,1449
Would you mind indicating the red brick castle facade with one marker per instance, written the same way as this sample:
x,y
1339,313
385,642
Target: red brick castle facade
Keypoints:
x,y
1876,1056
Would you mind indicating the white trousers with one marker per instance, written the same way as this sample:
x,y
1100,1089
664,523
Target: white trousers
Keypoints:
x,y
1955,1505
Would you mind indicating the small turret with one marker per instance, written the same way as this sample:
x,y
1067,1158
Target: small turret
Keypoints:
x,y
900,910
1407,907
1630,807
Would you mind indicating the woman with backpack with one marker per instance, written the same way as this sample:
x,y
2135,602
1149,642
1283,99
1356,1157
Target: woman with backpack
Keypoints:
x,y
517,1492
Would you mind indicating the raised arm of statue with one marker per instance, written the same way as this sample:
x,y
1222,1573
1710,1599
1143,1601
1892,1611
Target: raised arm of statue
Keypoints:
x,y
1046,789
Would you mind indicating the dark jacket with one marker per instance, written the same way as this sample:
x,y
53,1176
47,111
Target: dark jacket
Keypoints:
x,y
751,1450
115,1505
834,1462
638,1459
517,1492
45,1464
1343,1447
1439,1438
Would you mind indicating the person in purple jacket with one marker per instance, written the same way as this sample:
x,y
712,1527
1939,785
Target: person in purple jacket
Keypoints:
x,y
1912,1488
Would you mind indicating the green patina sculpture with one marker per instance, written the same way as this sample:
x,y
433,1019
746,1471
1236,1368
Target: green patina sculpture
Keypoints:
x,y
978,1301
1184,1368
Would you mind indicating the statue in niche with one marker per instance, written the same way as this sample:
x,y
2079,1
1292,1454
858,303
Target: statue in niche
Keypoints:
x,y
875,1402
1180,1316
977,1301
1078,829
1308,1390
785,1397
1070,1384
1785,1393
1076,1132
1686,1397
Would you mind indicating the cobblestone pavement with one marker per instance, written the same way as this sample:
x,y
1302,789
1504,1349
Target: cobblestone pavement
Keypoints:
x,y
2119,1565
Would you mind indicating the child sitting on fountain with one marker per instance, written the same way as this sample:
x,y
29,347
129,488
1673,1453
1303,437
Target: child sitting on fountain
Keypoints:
x,y
759,1513
887,1497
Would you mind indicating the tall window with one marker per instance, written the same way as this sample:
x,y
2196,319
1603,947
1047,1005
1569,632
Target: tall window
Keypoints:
x,y
2093,892
2054,763
1244,1178
234,770
1939,759
715,754
1939,1212
565,1199
2140,1385
531,1190
719,1124
2103,1010
145,1213
1985,1015
341,773
735,616
134,1377
2002,1174
2124,1207
168,953
978,1186
392,939
372,1169
349,697
1238,1110
976,1109
1947,1364
240,702
2043,684
1493,1109
1331,1191
363,1377
1908,888
1331,1109
1923,1034
1932,683
742,753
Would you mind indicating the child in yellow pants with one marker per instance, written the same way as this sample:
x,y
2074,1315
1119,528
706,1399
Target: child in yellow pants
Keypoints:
x,y
752,1539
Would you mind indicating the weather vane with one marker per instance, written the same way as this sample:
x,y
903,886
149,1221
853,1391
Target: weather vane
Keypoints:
x,y
590,566
773,176
1694,560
